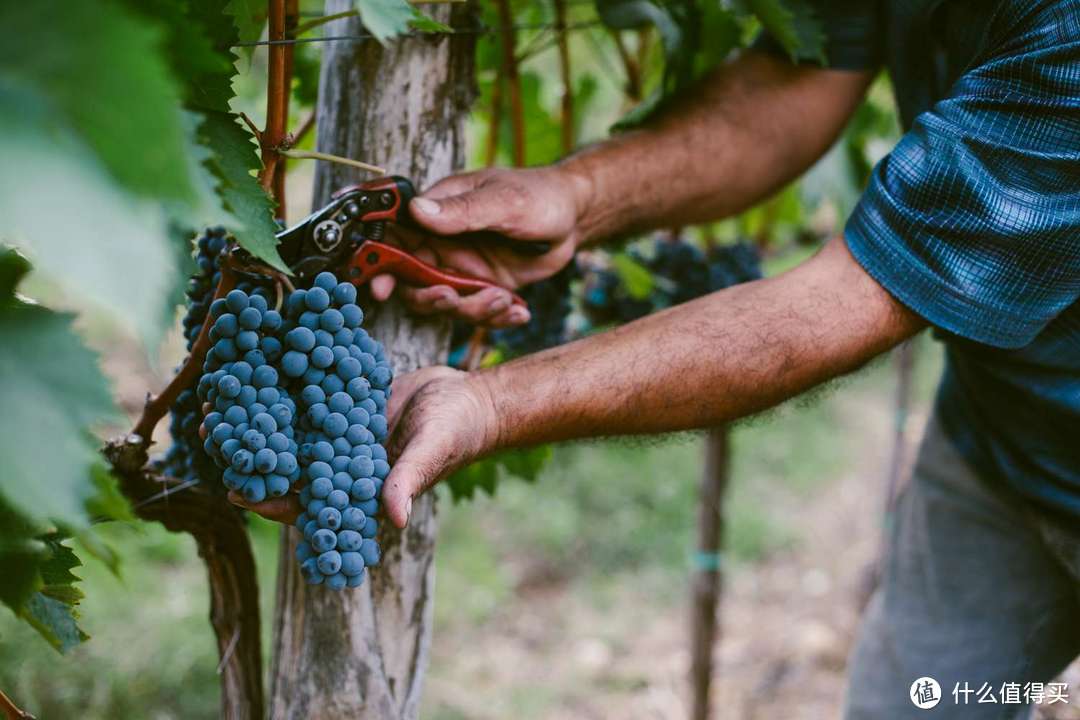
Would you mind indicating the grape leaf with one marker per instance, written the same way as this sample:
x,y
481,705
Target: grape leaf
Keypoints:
x,y
51,383
197,39
55,620
38,583
792,24
485,475
249,18
59,206
232,162
634,276
100,70
107,502
21,552
306,75
386,19
425,23
51,610
634,14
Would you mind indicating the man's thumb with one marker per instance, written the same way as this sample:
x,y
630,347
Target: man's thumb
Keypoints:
x,y
404,480
453,214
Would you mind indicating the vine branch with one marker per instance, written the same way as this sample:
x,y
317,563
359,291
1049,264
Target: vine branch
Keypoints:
x,y
567,105
491,152
305,127
220,534
277,186
314,155
630,66
158,406
508,37
11,710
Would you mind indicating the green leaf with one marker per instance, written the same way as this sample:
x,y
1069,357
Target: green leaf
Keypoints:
x,y
695,37
21,554
634,277
524,464
720,33
39,586
107,502
425,23
101,73
386,19
51,383
791,23
197,35
60,207
55,621
249,18
637,14
93,545
13,268
464,483
233,161
306,75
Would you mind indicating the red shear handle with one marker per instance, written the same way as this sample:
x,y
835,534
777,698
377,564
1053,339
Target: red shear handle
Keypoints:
x,y
375,258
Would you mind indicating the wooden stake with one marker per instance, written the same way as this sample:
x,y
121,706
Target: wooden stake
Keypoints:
x,y
706,583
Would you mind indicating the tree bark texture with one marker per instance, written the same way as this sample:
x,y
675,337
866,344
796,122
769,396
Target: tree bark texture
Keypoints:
x,y
362,653
221,536
706,583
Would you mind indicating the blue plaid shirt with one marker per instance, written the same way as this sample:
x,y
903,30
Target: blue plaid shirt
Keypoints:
x,y
973,220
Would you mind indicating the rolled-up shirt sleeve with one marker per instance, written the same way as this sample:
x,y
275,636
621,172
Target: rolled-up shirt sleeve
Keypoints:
x,y
973,220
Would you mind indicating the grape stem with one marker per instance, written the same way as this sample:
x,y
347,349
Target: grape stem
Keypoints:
x,y
158,406
11,710
312,155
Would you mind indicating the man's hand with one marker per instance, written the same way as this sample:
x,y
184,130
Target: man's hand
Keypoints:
x,y
538,204
441,419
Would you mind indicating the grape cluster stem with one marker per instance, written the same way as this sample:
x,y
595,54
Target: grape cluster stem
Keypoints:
x,y
158,406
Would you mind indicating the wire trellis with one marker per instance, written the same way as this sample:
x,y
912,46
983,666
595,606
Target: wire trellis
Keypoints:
x,y
362,37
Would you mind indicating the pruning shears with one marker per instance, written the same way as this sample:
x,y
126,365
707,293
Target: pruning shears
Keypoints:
x,y
346,235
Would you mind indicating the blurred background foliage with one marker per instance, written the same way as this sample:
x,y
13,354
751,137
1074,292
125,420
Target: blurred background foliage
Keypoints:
x,y
606,529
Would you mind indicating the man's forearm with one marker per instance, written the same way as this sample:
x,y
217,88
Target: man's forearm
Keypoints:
x,y
709,361
747,130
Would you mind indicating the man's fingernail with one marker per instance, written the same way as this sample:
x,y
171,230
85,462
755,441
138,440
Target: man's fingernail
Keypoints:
x,y
519,315
408,510
426,206
499,303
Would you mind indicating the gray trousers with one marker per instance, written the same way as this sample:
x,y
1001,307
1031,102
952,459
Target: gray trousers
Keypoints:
x,y
976,588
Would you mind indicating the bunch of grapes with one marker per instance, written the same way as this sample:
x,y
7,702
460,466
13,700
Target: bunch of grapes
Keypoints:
x,y
249,431
733,264
681,272
606,300
186,459
550,305
300,400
